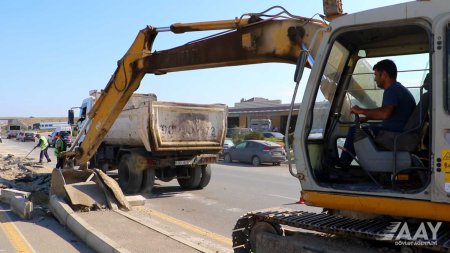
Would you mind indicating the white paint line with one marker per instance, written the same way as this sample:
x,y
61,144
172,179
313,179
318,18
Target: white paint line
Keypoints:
x,y
283,197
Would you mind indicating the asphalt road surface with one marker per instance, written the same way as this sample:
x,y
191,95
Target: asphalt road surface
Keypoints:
x,y
211,213
234,190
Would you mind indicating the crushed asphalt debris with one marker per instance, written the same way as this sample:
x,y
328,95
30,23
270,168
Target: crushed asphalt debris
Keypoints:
x,y
22,174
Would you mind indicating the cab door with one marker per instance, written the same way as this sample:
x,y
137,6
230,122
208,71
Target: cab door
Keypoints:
x,y
440,111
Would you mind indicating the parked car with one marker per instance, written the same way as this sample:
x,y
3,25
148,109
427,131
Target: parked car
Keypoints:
x,y
276,135
67,136
20,135
11,134
227,144
26,136
256,152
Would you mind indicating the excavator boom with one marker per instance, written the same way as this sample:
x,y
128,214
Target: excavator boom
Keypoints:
x,y
250,41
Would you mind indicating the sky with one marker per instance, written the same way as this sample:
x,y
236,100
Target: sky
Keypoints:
x,y
54,52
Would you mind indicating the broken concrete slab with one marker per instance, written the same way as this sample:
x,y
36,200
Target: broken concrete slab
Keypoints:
x,y
86,194
114,187
136,200
22,207
7,194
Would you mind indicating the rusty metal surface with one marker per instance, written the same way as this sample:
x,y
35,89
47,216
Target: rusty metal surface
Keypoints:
x,y
263,42
182,126
332,9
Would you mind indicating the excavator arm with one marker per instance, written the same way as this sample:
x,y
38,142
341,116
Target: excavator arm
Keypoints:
x,y
247,41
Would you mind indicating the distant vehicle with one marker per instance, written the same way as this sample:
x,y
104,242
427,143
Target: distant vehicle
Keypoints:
x,y
276,135
27,136
237,130
20,135
228,143
57,126
256,152
67,136
13,131
260,125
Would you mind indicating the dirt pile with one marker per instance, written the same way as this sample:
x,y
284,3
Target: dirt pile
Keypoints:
x,y
20,174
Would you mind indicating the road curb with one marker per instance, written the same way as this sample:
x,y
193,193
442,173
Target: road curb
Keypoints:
x,y
93,238
166,233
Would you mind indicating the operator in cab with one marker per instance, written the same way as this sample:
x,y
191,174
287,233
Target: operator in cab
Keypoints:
x,y
397,106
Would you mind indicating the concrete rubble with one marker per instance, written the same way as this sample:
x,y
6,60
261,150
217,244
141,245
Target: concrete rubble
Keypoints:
x,y
22,174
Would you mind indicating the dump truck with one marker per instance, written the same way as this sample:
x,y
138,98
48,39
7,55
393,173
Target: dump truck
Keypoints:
x,y
394,196
163,140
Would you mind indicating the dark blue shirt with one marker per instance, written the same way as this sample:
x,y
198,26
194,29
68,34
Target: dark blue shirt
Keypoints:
x,y
404,103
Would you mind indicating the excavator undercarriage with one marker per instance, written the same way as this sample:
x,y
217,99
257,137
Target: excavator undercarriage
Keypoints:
x,y
283,230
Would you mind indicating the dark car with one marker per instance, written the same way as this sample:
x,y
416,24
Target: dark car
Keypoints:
x,y
275,135
29,136
256,152
67,136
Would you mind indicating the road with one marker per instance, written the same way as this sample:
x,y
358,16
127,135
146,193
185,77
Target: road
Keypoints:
x,y
41,234
207,216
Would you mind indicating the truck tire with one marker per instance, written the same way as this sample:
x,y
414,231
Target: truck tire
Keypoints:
x,y
130,177
148,180
206,176
194,179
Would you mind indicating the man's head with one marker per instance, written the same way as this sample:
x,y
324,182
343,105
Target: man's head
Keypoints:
x,y
385,73
38,136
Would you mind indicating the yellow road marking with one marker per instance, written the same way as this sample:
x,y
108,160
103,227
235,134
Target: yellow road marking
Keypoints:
x,y
14,236
185,225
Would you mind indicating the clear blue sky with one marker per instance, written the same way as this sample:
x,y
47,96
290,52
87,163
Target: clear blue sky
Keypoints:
x,y
54,52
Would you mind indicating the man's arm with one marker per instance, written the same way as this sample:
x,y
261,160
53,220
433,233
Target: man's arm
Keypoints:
x,y
39,143
375,114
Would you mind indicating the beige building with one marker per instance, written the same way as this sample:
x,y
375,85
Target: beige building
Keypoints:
x,y
261,108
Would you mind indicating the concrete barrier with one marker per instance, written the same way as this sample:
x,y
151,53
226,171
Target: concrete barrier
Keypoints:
x,y
7,194
22,207
94,239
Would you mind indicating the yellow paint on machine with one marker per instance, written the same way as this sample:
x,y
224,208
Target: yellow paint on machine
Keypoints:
x,y
186,225
379,205
16,238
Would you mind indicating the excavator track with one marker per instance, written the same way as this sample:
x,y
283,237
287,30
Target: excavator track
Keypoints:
x,y
376,229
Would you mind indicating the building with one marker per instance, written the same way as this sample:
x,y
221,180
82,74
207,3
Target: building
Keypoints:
x,y
261,108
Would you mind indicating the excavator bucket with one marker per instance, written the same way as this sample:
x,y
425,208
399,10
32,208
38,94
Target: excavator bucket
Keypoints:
x,y
88,189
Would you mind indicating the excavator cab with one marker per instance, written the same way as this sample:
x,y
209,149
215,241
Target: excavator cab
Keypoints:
x,y
393,163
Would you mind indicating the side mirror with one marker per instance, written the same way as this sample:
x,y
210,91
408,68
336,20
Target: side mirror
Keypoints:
x,y
71,117
301,63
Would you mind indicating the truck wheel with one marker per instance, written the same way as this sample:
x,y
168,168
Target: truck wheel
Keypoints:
x,y
148,180
193,181
130,177
206,176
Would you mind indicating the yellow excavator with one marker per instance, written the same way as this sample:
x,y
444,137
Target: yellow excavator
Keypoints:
x,y
396,193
